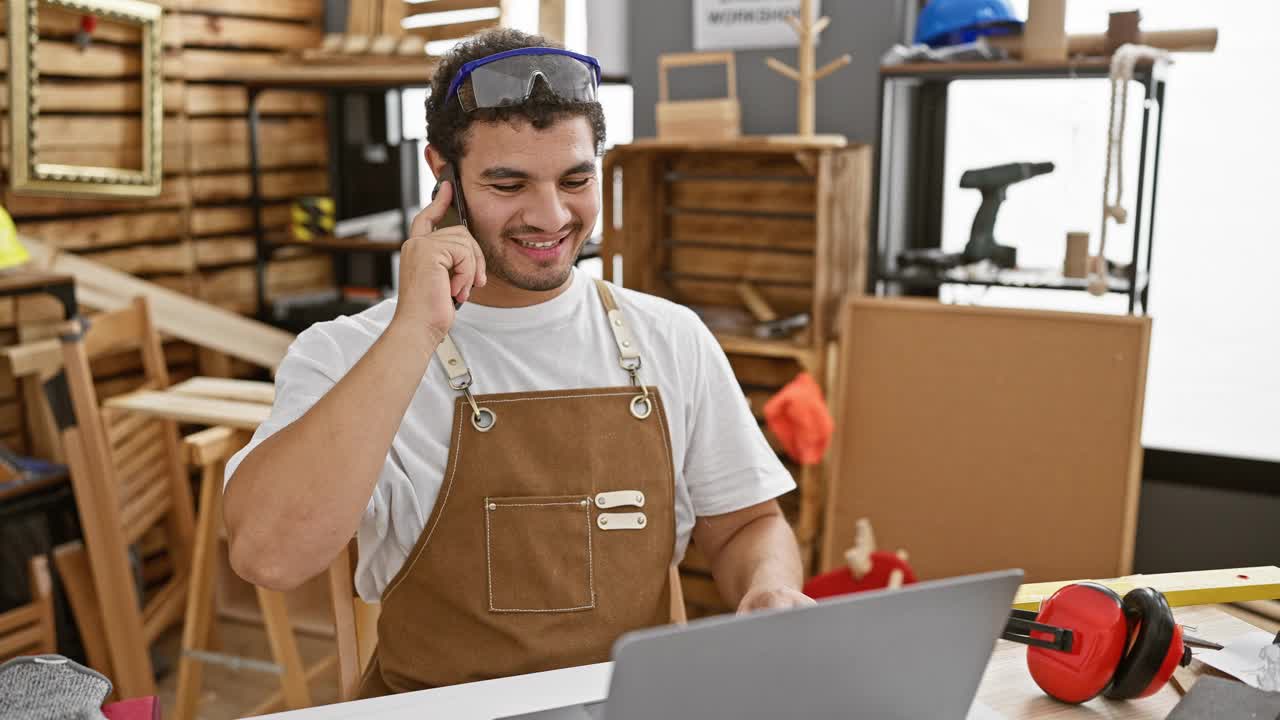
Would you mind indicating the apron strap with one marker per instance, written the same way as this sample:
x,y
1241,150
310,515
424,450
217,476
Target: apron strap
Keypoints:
x,y
454,366
460,379
628,353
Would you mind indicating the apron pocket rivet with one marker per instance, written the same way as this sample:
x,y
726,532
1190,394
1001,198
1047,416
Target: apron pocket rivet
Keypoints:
x,y
493,506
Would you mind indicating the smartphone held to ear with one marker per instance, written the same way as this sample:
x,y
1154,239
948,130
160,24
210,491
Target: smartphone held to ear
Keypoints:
x,y
458,202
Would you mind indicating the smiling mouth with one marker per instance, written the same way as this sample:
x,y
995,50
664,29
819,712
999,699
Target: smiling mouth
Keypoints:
x,y
543,245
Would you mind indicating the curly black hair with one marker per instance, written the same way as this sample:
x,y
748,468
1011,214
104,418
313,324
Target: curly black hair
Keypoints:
x,y
448,123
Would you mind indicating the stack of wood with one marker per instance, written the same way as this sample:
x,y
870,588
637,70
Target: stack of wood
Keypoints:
x,y
223,36
376,29
195,237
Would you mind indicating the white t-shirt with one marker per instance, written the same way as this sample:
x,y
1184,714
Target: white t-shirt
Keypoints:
x,y
722,460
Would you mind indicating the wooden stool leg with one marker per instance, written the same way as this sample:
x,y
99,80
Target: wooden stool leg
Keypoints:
x,y
275,618
198,626
72,563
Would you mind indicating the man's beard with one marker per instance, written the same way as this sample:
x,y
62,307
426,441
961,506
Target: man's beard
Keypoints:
x,y
543,279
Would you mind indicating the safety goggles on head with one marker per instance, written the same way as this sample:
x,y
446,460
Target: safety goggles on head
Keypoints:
x,y
507,78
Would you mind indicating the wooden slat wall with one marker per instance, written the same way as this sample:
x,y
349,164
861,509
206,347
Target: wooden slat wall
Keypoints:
x,y
196,237
219,35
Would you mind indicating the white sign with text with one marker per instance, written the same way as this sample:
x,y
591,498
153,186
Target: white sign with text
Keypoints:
x,y
741,24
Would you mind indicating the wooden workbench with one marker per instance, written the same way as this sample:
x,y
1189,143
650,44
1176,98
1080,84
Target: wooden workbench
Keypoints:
x,y
1006,689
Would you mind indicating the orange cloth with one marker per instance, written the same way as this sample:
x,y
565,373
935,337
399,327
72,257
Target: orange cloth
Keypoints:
x,y
798,415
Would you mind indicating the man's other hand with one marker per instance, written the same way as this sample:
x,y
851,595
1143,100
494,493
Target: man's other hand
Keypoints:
x,y
772,598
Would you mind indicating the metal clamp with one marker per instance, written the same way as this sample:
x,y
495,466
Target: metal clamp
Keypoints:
x,y
482,419
641,405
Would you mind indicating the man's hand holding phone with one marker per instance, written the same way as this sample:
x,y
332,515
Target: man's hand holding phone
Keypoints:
x,y
438,268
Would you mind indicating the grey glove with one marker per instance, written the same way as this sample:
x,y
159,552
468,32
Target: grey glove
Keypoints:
x,y
51,687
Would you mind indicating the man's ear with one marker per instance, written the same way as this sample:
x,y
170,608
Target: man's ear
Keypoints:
x,y
435,161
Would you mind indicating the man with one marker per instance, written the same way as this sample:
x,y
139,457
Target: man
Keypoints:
x,y
521,469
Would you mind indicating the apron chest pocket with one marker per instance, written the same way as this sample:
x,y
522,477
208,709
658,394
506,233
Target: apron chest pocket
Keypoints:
x,y
538,553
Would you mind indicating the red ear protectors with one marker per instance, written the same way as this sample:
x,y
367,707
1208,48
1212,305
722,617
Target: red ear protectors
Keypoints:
x,y
1086,640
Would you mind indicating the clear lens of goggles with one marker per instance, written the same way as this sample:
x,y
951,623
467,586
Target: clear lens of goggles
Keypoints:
x,y
509,80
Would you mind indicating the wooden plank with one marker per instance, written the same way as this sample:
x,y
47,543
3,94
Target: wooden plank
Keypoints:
x,y
58,22
750,196
230,220
202,99
10,417
118,156
1200,587
129,361
224,250
106,230
781,233
285,275
227,389
240,32
271,131
172,313
1011,434
312,10
275,185
438,6
742,264
784,299
76,131
173,193
187,408
199,64
114,96
99,60
141,259
452,31
19,616
297,153
801,353
761,371
736,165
72,563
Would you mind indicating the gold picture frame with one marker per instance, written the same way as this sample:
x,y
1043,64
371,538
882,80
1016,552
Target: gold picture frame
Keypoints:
x,y
30,176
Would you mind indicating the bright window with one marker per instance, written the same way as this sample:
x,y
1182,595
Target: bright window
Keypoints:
x,y
1213,382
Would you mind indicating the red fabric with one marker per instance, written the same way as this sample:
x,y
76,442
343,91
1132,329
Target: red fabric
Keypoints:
x,y
798,415
840,581
141,708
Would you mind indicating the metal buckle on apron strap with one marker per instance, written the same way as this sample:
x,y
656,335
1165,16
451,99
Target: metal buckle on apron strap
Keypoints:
x,y
482,419
641,405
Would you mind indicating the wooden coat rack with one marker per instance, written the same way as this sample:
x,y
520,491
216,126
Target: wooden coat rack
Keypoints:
x,y
807,76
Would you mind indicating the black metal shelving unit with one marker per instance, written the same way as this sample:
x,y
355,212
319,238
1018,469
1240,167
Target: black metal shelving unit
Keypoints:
x,y
906,210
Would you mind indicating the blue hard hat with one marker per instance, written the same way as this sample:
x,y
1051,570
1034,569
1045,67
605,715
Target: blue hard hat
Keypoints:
x,y
952,22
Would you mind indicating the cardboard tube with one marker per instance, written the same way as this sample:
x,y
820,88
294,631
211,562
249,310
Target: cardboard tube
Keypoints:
x,y
1044,38
1187,40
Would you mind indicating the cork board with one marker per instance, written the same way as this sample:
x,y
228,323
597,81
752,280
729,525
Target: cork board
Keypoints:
x,y
985,438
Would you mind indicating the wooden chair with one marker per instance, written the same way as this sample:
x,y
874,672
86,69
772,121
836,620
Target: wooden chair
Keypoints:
x,y
29,629
209,450
356,622
128,475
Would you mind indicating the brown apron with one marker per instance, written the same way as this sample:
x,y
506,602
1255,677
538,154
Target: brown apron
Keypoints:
x,y
552,533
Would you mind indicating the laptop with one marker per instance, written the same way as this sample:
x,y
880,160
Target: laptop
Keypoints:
x,y
917,652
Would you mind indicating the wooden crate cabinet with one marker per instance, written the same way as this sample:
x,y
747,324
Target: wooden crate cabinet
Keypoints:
x,y
692,221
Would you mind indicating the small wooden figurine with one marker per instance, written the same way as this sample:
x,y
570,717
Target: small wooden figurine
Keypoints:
x,y
867,569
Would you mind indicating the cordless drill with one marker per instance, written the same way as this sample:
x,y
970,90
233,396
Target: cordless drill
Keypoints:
x,y
992,181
